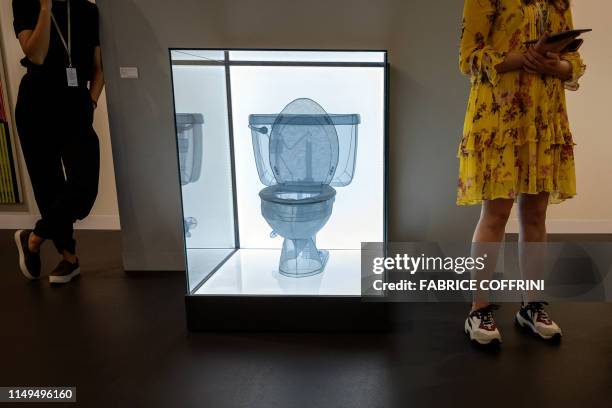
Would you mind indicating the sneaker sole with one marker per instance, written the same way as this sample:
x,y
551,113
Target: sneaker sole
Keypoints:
x,y
491,342
66,278
526,324
22,264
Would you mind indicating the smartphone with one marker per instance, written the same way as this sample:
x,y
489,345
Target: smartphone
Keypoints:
x,y
573,46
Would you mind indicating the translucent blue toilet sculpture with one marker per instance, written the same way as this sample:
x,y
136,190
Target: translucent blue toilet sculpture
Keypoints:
x,y
301,154
190,150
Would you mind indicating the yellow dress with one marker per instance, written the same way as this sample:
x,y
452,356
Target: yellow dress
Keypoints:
x,y
516,136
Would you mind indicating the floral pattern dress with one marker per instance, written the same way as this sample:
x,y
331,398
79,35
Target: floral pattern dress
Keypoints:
x,y
516,136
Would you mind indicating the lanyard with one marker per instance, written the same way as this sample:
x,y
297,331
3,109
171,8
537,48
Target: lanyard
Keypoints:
x,y
67,46
543,16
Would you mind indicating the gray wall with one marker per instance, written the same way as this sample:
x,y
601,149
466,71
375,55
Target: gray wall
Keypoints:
x,y
428,98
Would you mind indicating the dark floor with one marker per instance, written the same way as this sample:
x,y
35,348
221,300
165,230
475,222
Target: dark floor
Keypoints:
x,y
121,340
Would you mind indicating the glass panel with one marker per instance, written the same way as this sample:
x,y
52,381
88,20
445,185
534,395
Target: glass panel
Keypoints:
x,y
203,142
201,262
255,272
339,90
308,56
197,55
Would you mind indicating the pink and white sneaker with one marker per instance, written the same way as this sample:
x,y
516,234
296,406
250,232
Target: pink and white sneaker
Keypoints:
x,y
480,326
533,316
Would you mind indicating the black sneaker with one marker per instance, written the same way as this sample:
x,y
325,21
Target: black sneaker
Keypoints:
x,y
29,262
480,326
534,317
64,272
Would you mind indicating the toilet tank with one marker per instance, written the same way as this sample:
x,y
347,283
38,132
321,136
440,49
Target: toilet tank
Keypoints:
x,y
346,127
190,145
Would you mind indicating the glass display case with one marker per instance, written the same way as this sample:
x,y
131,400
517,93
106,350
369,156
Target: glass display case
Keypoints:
x,y
283,167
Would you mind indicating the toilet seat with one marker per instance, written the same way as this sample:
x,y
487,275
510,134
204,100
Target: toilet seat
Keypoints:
x,y
303,145
297,194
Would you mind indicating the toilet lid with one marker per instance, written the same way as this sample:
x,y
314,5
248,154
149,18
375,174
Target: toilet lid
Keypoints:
x,y
303,145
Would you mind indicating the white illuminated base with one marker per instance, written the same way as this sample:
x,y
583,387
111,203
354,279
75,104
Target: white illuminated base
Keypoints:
x,y
255,272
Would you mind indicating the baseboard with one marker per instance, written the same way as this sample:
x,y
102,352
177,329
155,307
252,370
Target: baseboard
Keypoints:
x,y
93,222
569,226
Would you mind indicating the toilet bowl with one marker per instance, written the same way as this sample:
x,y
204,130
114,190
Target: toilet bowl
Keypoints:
x,y
299,155
298,216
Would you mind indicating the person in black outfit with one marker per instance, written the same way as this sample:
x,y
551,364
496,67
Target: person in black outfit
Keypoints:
x,y
54,116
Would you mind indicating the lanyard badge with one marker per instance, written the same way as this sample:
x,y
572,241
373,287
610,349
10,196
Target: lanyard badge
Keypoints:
x,y
71,72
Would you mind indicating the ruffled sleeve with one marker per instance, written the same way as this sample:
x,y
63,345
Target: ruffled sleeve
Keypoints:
x,y
477,57
574,58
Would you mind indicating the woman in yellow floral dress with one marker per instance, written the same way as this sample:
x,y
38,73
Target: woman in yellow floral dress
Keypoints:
x,y
516,142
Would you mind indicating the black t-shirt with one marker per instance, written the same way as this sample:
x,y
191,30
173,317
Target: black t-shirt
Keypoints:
x,y
85,35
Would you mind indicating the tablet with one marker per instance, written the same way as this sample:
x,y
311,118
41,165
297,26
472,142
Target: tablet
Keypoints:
x,y
563,35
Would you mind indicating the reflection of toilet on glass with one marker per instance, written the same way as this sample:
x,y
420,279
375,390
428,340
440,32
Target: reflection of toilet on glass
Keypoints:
x,y
189,140
300,154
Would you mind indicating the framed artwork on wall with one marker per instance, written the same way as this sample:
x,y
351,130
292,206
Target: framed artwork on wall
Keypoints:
x,y
9,183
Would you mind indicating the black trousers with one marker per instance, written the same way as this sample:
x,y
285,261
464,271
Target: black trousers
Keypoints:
x,y
61,151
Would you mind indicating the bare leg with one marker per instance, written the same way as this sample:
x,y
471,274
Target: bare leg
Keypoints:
x,y
34,242
70,257
532,238
489,233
